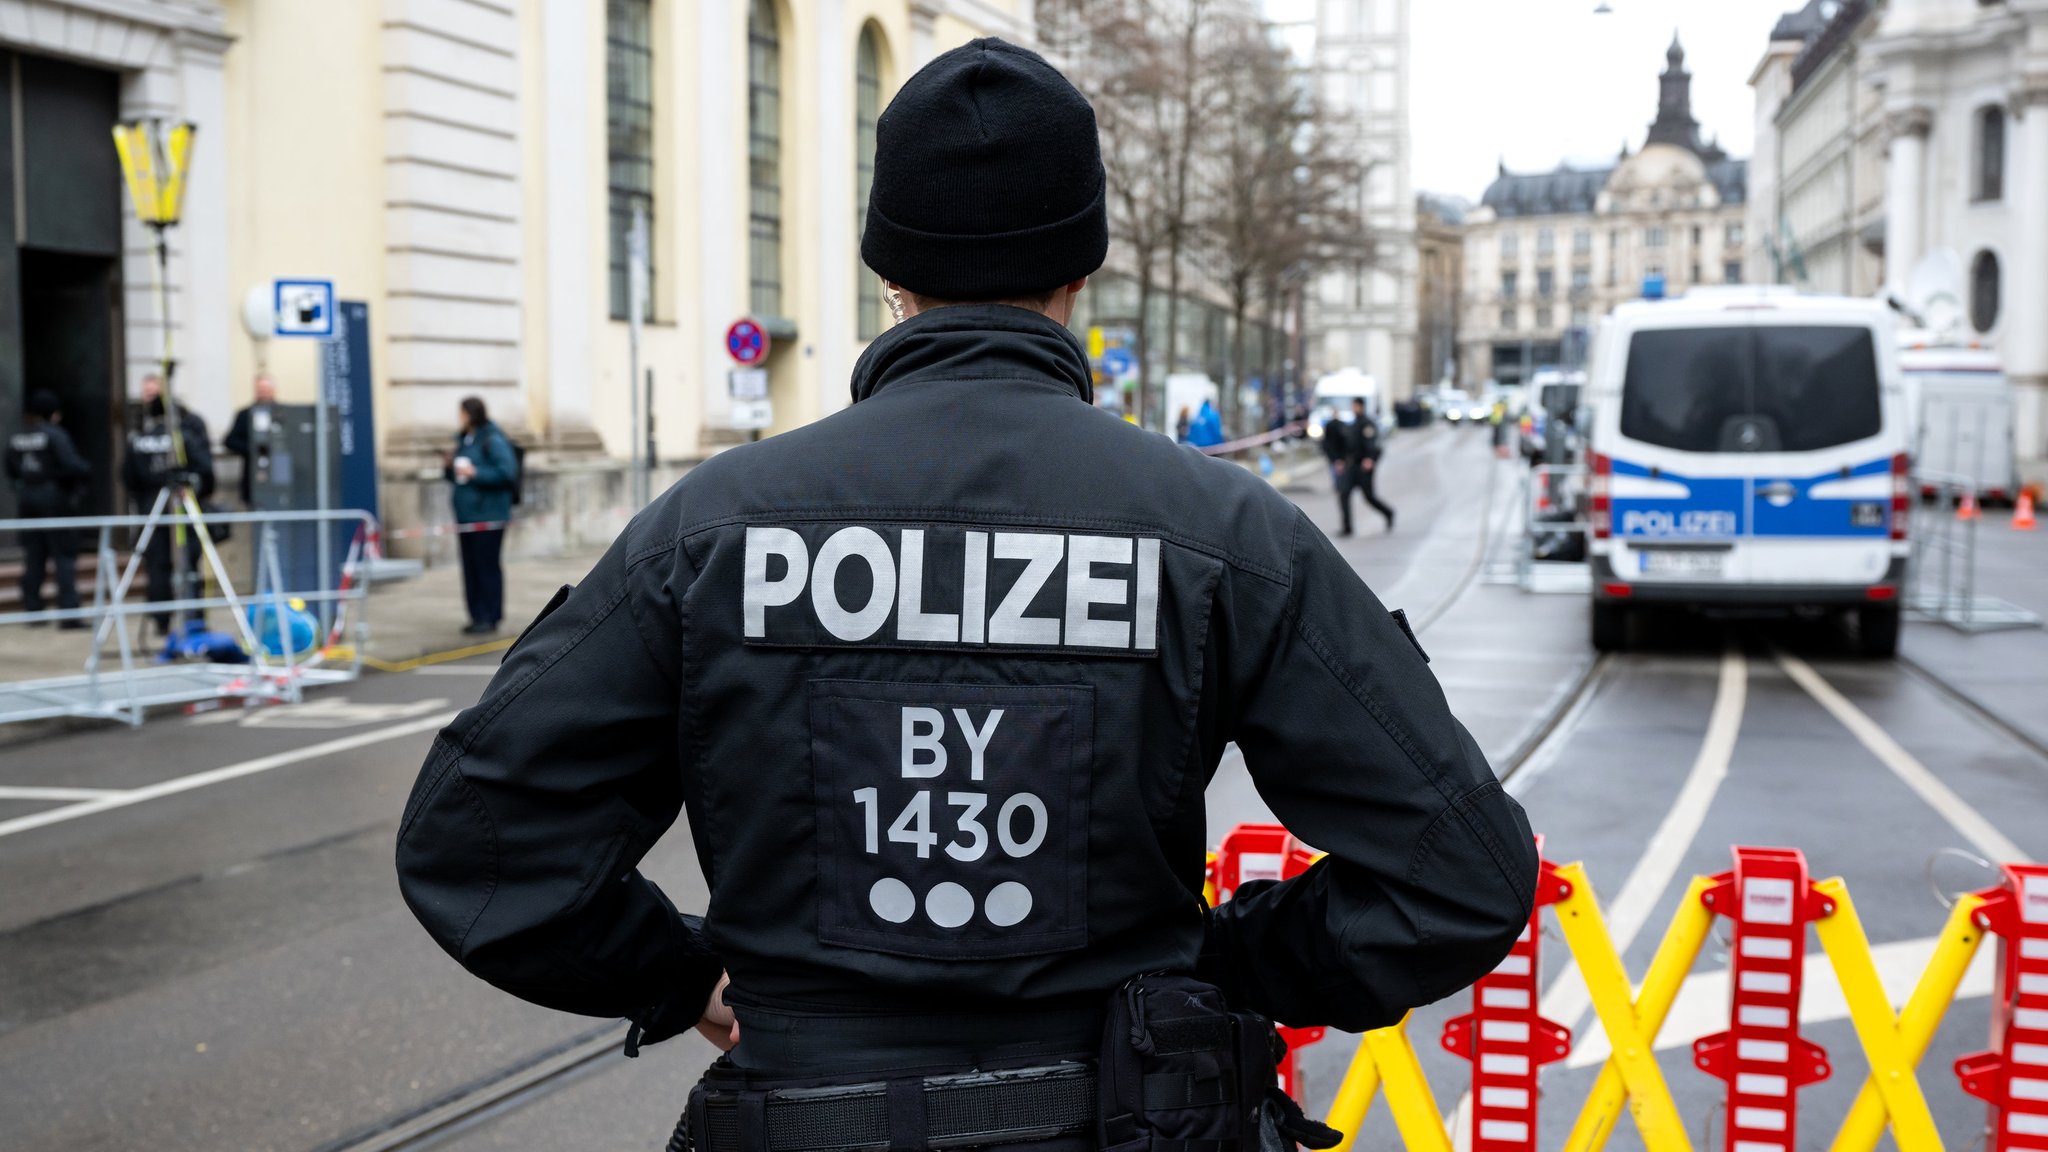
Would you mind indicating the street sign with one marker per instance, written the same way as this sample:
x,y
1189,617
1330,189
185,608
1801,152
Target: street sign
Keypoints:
x,y
747,342
1118,362
303,308
749,405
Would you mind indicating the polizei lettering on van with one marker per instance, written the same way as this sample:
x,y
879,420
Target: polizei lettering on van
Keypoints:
x,y
889,586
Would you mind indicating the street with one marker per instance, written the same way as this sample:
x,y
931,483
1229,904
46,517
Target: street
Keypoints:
x,y
205,949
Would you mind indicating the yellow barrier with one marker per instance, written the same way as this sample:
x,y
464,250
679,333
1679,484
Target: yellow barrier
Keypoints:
x,y
1893,1044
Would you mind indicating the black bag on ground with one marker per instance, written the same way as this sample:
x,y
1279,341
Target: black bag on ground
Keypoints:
x,y
1181,1072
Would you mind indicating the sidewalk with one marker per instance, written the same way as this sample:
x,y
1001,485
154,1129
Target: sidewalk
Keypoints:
x,y
2003,672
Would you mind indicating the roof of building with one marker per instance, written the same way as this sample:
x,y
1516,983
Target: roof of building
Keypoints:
x,y
1731,179
1445,207
1566,190
1807,22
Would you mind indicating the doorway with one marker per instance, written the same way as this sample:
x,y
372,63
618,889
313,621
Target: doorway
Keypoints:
x,y
70,335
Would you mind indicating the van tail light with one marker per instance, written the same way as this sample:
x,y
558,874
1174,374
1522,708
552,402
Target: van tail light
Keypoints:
x,y
1600,503
1902,493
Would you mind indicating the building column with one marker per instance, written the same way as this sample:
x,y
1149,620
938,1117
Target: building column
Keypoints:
x,y
211,309
832,92
1905,194
2025,308
566,90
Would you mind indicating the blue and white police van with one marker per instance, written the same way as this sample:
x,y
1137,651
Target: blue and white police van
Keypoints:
x,y
1748,452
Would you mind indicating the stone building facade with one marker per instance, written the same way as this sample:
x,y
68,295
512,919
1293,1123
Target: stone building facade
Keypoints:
x,y
468,168
1547,254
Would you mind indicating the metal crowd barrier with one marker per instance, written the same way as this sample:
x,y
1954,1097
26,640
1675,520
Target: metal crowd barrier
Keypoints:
x,y
1544,491
1941,575
1769,899
136,682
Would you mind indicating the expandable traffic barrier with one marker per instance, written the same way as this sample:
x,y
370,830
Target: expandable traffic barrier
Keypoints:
x,y
2013,1076
1770,898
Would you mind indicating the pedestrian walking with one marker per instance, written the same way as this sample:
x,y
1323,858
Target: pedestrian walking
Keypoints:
x,y
1183,424
175,457
939,681
49,477
1337,450
485,472
1363,463
251,423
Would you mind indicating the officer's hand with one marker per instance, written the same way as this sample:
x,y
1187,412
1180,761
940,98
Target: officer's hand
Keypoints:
x,y
718,1024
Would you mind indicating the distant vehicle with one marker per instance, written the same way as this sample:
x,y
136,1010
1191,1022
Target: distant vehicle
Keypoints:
x,y
1962,407
1749,451
1455,404
1335,392
1554,399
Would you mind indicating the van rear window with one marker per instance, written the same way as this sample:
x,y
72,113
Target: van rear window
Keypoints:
x,y
1765,389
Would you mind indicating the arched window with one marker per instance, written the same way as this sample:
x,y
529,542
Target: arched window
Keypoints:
x,y
1984,291
1990,174
629,138
867,111
764,160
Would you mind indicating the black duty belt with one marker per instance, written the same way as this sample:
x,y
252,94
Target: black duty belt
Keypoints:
x,y
1008,1107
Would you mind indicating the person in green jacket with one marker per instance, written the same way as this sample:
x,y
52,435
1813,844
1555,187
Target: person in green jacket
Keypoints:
x,y
484,473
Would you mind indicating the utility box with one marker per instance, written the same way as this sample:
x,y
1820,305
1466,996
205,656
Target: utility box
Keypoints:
x,y
284,456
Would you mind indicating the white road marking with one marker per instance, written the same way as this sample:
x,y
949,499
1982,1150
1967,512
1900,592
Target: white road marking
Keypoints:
x,y
1567,998
220,775
12,792
1967,821
1702,1005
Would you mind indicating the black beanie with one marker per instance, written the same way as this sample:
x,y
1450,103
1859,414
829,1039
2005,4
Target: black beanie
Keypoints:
x,y
988,179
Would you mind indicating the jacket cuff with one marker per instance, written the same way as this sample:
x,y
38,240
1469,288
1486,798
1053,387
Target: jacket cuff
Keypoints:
x,y
682,1003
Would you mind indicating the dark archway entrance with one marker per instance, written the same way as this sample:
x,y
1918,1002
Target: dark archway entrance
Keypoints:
x,y
60,253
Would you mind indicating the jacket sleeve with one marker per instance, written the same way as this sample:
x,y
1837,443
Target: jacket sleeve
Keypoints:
x,y
71,465
519,849
1431,868
236,442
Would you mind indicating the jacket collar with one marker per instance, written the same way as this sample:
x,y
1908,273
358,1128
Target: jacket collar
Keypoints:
x,y
975,341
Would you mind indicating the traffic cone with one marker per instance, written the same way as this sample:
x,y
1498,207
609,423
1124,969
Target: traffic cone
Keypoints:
x,y
2023,512
1966,508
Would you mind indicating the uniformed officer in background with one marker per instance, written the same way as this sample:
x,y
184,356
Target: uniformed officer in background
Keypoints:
x,y
939,682
158,459
48,475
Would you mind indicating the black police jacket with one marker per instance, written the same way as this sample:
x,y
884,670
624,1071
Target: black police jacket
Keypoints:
x,y
152,462
47,471
940,681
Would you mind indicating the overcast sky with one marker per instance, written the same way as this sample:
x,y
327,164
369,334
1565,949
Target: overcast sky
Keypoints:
x,y
1539,81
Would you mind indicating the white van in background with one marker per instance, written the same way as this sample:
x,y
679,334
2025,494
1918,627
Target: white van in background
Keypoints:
x,y
1748,450
1333,396
1962,408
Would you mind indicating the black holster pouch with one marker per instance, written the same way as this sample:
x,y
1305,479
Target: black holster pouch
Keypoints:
x,y
1181,1072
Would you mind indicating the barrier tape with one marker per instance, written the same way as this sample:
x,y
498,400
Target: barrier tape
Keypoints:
x,y
1771,900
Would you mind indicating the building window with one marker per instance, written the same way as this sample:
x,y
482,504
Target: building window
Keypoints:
x,y
1510,246
1984,291
629,138
1698,237
1581,317
1731,272
1507,284
764,160
1582,241
1582,278
1546,281
1990,174
867,110
1546,241
1507,319
1733,237
1695,272
1543,316
1613,239
1653,236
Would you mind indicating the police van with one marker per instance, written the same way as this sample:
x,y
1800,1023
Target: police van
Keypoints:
x,y
1748,451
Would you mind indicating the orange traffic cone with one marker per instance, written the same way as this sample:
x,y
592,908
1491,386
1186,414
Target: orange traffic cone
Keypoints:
x,y
2023,512
1966,508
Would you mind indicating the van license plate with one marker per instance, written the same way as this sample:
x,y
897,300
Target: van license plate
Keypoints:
x,y
1681,562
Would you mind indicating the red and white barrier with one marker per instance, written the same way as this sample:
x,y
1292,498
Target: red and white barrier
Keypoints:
x,y
2013,1076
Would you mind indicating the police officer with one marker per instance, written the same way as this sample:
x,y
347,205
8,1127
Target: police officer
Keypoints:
x,y
939,681
152,465
48,475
